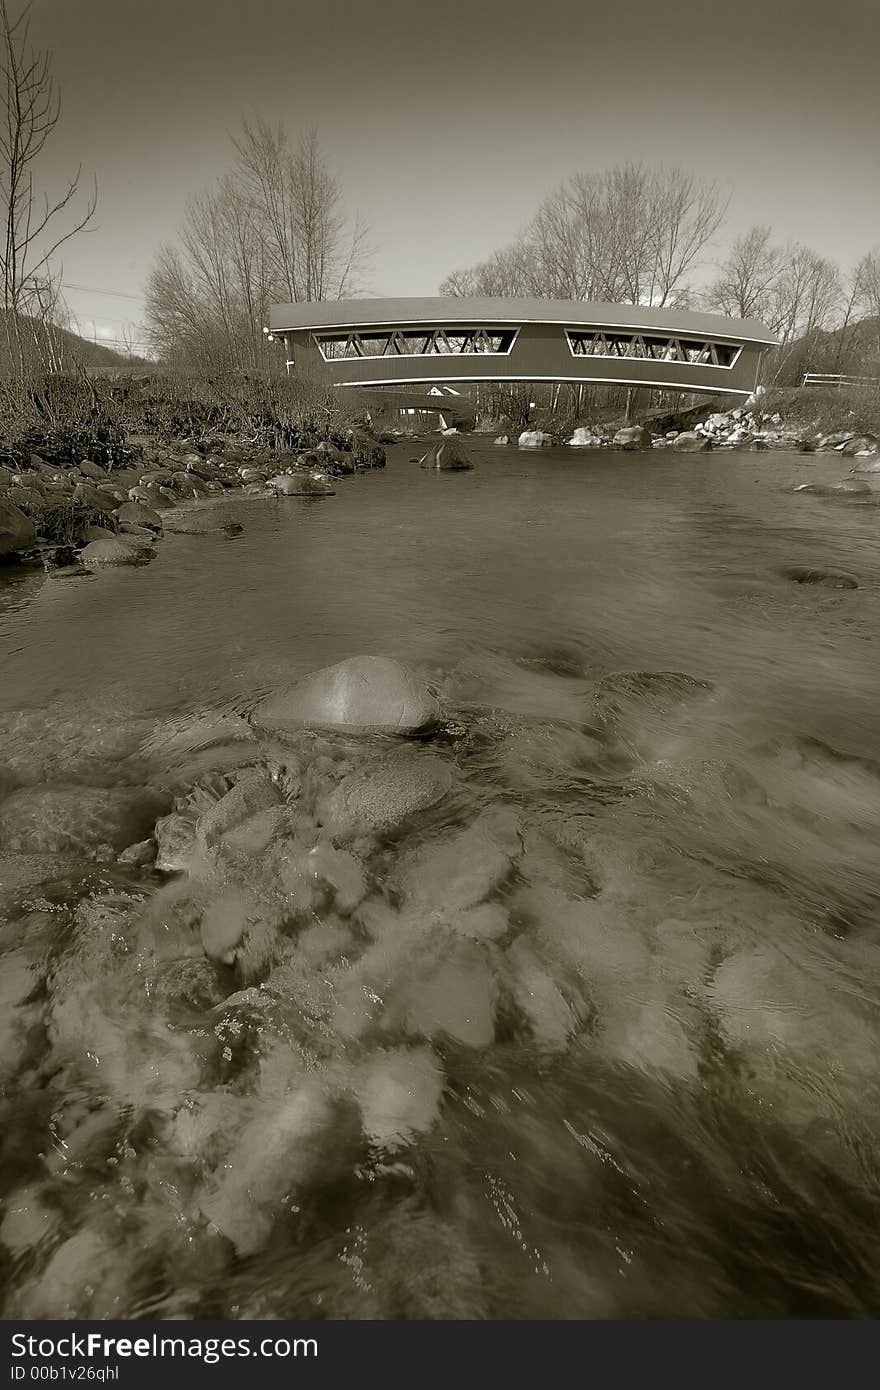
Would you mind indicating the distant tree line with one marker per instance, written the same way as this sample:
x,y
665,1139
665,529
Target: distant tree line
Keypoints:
x,y
633,235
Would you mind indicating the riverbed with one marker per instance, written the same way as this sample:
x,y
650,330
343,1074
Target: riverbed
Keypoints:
x,y
660,1098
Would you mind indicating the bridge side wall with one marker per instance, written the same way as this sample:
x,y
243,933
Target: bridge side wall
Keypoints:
x,y
539,353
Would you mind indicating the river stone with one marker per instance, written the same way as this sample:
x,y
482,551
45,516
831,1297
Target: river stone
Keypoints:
x,y
85,492
308,877
202,469
136,514
186,484
460,870
16,530
871,464
115,551
92,470
861,444
144,852
200,522
385,792
301,485
96,533
457,999
691,443
64,819
25,496
846,485
399,1095
632,437
253,792
361,693
150,495
447,458
175,836
225,922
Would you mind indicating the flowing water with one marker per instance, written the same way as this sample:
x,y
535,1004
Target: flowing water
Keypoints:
x,y
629,1069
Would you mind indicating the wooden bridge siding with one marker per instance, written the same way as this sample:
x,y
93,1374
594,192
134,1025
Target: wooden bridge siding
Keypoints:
x,y
540,352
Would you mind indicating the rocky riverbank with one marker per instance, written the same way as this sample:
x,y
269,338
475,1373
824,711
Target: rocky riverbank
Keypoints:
x,y
59,513
740,428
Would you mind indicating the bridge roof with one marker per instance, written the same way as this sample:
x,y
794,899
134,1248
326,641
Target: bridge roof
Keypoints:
x,y
379,313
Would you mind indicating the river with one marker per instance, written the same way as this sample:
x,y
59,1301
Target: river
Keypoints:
x,y
672,1106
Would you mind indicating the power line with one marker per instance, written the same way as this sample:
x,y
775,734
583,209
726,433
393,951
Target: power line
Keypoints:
x,y
112,294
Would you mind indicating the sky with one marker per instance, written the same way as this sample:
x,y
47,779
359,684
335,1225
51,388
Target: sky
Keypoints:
x,y
447,122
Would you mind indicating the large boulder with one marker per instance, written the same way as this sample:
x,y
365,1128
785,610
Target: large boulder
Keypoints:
x,y
584,438
28,498
137,514
92,470
690,442
91,497
114,551
534,439
446,458
302,485
861,444
16,530
632,437
360,693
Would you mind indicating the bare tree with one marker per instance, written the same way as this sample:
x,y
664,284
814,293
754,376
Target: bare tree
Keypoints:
x,y
746,282
866,288
34,228
628,234
272,229
298,205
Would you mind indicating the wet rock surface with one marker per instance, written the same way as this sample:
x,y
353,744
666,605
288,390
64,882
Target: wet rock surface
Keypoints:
x,y
364,692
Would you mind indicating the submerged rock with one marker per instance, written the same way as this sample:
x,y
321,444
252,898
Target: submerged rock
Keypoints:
x,y
302,485
460,870
399,1095
277,1151
846,485
385,792
202,521
830,579
115,551
362,693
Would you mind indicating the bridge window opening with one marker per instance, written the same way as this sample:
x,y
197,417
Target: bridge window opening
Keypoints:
x,y
435,342
644,346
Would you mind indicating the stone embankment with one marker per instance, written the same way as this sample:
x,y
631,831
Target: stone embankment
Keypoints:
x,y
56,514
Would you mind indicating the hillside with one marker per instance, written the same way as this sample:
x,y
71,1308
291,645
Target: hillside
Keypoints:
x,y
67,349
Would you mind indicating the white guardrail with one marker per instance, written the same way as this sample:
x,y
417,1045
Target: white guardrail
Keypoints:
x,y
838,379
